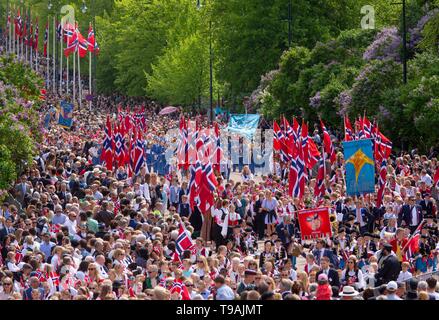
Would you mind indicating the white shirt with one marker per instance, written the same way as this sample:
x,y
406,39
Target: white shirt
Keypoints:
x,y
403,276
414,216
427,179
71,225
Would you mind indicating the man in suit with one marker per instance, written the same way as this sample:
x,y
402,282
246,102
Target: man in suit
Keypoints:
x,y
320,252
390,267
22,190
363,216
411,215
285,230
34,285
332,274
7,229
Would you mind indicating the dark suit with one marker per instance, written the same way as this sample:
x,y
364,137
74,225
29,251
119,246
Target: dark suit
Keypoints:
x,y
327,253
389,270
21,192
333,277
406,216
285,232
4,233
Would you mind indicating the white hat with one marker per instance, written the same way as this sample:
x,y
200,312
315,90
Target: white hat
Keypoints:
x,y
392,286
349,291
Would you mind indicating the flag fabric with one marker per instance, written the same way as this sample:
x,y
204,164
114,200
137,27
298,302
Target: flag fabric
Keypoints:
x,y
360,128
91,39
208,184
319,188
305,138
36,35
360,167
179,287
436,177
107,148
329,147
218,152
314,223
71,39
348,131
412,245
313,154
19,25
82,43
301,175
30,42
381,183
46,38
367,128
139,153
183,242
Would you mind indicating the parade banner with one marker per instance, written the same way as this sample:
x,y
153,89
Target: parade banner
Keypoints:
x,y
65,117
360,167
314,223
243,124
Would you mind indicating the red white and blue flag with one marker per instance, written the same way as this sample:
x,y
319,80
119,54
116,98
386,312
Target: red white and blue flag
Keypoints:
x,y
107,148
184,241
348,131
329,147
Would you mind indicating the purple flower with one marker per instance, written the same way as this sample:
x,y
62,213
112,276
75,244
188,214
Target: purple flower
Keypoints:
x,y
385,46
344,99
385,113
416,32
315,101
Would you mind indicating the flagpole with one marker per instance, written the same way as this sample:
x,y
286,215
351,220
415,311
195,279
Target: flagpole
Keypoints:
x,y
47,52
53,56
74,76
68,75
13,33
60,62
89,79
79,82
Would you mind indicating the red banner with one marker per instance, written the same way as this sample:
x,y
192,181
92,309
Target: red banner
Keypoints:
x,y
314,223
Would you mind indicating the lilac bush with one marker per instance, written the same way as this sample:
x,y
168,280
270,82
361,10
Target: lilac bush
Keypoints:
x,y
315,101
416,32
385,46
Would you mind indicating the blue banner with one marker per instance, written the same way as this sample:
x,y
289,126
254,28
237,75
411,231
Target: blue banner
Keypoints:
x,y
360,167
244,124
65,118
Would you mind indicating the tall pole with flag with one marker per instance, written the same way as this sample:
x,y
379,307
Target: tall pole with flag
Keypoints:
x,y
54,56
46,50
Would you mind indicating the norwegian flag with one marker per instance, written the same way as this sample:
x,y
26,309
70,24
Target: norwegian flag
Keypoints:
x,y
30,42
329,148
46,38
304,139
301,175
290,140
138,153
91,39
313,154
319,188
348,131
59,31
181,289
207,186
360,128
218,153
118,146
412,245
82,43
107,148
436,178
41,275
19,25
278,137
71,38
382,183
293,180
183,242
183,146
54,277
18,257
37,35
367,128
54,228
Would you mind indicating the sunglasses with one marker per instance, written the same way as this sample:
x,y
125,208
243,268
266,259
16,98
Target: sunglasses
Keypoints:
x,y
7,284
90,269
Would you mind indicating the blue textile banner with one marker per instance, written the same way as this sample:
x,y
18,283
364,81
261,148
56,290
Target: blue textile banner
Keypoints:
x,y
65,118
244,124
360,167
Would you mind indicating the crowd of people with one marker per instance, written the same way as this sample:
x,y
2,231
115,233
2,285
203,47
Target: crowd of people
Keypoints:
x,y
70,229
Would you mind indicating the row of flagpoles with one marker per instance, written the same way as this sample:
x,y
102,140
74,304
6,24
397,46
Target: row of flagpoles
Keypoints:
x,y
22,39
